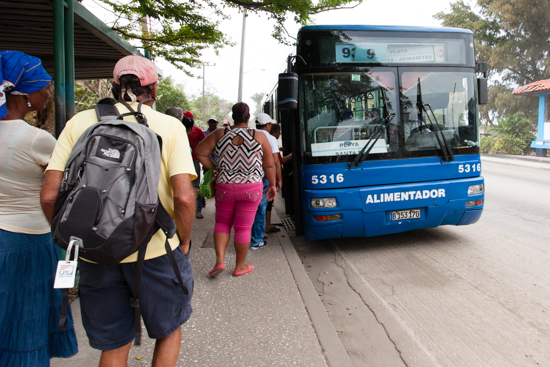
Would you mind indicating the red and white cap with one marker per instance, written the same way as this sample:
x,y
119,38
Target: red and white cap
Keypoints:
x,y
139,66
188,114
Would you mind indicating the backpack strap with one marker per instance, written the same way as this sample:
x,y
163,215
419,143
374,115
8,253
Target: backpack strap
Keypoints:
x,y
174,263
64,309
107,112
139,116
164,221
63,320
135,301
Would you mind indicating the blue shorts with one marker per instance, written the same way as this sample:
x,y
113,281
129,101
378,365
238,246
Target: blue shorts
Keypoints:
x,y
106,293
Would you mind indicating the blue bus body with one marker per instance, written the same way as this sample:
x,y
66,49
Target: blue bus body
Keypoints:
x,y
365,217
411,179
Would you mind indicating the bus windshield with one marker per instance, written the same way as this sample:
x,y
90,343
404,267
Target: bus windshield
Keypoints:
x,y
342,112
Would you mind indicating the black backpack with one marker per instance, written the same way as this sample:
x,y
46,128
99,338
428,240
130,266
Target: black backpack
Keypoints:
x,y
109,196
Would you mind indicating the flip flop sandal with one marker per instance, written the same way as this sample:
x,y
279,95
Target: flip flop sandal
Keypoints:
x,y
218,269
243,272
273,230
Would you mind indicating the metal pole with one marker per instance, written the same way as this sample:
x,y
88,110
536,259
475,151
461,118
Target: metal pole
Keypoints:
x,y
59,66
145,32
69,60
240,96
203,74
203,80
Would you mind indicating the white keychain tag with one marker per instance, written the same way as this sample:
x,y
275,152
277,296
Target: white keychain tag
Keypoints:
x,y
66,270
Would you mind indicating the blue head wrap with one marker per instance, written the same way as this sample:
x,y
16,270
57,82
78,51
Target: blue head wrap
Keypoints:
x,y
21,74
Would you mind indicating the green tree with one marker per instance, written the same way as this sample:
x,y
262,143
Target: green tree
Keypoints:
x,y
513,135
170,95
513,36
213,105
88,92
257,98
181,30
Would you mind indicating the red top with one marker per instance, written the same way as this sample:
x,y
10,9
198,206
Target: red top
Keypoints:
x,y
195,137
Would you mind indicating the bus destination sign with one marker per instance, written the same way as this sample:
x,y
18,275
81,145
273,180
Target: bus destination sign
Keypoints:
x,y
390,53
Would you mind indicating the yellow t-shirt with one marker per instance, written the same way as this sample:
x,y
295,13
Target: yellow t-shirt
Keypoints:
x,y
175,159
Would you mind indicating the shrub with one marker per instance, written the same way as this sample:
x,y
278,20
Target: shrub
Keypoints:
x,y
487,143
509,130
508,145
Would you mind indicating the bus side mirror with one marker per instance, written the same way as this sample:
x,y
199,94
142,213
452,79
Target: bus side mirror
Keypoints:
x,y
287,93
267,108
482,91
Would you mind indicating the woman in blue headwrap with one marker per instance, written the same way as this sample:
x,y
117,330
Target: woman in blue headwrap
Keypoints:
x,y
29,306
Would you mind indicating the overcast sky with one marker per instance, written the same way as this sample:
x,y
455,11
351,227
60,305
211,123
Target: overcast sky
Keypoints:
x,y
264,58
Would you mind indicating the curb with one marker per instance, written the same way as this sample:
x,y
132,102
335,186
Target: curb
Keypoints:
x,y
518,162
333,349
517,157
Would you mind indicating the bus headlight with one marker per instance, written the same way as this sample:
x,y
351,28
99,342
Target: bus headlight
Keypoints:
x,y
475,189
323,202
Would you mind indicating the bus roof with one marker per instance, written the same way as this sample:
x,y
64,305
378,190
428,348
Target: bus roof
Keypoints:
x,y
389,28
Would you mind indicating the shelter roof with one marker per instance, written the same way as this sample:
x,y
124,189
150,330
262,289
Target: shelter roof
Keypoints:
x,y
535,88
27,26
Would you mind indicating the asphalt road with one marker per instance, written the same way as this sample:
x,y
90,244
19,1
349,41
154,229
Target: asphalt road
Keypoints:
x,y
475,295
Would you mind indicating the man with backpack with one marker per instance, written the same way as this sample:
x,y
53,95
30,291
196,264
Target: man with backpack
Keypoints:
x,y
107,292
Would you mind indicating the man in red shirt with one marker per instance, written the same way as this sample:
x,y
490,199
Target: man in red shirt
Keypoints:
x,y
195,136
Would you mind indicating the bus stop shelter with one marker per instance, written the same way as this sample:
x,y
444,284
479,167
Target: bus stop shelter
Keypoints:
x,y
540,89
71,42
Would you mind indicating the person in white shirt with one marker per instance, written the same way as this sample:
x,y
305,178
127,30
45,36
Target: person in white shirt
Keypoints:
x,y
263,125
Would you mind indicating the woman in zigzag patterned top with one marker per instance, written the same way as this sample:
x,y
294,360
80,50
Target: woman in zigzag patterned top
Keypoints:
x,y
243,158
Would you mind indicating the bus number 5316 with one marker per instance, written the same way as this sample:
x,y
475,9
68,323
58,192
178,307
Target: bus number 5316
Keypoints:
x,y
467,168
323,179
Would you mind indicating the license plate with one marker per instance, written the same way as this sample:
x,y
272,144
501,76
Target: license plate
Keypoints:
x,y
405,214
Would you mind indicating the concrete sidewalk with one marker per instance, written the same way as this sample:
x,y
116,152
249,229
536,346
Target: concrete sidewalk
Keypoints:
x,y
518,160
270,317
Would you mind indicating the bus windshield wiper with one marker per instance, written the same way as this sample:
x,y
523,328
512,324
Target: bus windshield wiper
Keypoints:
x,y
375,135
421,106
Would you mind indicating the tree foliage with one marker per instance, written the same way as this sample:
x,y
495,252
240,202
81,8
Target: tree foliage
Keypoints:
x,y
213,105
88,92
181,30
170,95
257,98
513,135
513,36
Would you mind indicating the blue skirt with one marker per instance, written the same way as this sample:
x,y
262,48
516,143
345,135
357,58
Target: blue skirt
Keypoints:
x,y
29,306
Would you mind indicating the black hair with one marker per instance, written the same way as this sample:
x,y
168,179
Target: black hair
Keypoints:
x,y
188,122
241,112
131,81
275,128
107,101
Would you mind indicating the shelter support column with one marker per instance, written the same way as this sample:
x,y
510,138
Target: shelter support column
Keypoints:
x,y
64,65
541,146
69,60
59,65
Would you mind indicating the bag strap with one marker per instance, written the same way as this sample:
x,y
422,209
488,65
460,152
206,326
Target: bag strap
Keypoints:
x,y
174,263
164,221
135,301
139,116
107,112
63,320
64,309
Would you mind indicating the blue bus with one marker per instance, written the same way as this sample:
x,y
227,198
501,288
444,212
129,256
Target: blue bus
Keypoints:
x,y
383,125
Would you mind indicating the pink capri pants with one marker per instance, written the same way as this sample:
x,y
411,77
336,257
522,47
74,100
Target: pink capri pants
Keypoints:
x,y
236,206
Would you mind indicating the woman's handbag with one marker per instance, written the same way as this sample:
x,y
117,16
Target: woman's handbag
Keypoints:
x,y
207,187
